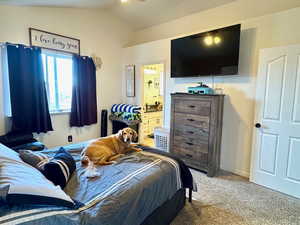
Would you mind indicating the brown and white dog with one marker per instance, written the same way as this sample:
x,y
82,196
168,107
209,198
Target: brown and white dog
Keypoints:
x,y
104,151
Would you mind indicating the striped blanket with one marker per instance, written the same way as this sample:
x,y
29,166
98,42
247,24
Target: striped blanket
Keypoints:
x,y
125,108
126,193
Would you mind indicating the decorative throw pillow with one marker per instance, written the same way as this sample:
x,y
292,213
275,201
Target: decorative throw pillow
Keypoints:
x,y
60,168
35,159
20,183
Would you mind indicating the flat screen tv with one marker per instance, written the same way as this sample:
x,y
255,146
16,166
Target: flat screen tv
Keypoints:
x,y
214,52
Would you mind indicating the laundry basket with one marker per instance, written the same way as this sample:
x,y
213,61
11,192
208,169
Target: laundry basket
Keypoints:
x,y
161,139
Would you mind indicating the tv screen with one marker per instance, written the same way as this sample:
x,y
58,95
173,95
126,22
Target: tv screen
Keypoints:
x,y
214,52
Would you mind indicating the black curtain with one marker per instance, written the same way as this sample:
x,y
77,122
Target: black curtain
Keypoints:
x,y
29,104
84,96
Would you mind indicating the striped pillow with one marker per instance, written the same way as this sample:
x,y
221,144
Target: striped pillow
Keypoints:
x,y
20,183
57,169
60,168
35,159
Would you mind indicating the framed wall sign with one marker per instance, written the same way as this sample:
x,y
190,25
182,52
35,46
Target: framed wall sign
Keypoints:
x,y
130,80
53,41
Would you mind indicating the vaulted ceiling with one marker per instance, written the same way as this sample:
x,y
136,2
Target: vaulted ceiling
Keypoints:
x,y
138,13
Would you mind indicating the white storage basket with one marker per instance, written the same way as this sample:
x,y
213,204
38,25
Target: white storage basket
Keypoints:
x,y
161,139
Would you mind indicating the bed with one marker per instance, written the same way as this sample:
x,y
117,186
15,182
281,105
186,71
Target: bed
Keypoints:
x,y
145,188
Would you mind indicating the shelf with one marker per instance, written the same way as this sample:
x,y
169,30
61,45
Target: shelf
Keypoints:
x,y
128,122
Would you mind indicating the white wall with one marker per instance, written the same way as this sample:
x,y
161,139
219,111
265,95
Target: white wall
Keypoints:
x,y
99,33
236,11
262,32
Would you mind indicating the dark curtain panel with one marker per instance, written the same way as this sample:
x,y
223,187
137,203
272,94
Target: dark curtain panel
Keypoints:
x,y
29,104
84,96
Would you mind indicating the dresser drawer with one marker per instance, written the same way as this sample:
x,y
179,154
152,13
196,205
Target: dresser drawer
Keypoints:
x,y
194,164
202,135
201,108
190,120
191,144
194,158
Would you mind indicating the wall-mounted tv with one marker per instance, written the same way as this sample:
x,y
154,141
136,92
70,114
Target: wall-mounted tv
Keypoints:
x,y
214,52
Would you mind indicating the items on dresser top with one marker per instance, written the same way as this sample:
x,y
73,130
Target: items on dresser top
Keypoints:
x,y
196,130
201,89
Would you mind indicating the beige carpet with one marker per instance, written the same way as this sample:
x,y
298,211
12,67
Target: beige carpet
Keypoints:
x,y
232,200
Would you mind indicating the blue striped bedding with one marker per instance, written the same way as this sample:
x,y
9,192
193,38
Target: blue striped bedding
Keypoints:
x,y
126,193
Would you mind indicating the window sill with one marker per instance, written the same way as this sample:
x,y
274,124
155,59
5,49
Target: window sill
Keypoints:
x,y
60,112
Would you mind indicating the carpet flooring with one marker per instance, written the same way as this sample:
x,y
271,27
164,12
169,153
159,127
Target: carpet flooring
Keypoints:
x,y
232,200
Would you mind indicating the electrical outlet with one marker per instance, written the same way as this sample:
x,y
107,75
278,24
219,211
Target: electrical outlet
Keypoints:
x,y
70,138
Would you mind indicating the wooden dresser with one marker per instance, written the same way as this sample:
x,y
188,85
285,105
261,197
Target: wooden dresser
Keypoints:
x,y
196,130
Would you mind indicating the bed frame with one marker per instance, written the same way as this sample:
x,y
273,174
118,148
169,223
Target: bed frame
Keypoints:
x,y
164,214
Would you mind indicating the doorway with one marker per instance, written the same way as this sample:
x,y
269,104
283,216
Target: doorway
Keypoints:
x,y
152,101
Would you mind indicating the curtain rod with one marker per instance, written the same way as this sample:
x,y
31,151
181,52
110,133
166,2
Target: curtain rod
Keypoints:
x,y
31,47
6,43
16,45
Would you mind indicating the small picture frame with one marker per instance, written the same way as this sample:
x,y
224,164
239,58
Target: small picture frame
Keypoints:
x,y
130,80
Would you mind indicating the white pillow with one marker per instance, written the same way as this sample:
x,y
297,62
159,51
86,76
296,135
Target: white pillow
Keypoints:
x,y
21,183
7,153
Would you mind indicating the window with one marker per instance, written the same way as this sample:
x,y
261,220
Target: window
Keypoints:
x,y
58,80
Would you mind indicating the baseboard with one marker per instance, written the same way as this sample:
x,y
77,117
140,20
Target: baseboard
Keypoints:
x,y
238,172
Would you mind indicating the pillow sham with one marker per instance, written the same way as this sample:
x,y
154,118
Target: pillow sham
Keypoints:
x,y
58,169
20,183
35,159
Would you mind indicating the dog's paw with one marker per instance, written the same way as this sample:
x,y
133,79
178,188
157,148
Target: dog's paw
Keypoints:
x,y
138,149
92,174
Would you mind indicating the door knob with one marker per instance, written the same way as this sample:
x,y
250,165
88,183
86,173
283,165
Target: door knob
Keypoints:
x,y
258,125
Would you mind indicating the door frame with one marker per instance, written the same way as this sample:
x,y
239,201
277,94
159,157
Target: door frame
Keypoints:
x,y
141,65
257,116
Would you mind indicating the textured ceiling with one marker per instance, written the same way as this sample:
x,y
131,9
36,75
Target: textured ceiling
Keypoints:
x,y
62,3
139,14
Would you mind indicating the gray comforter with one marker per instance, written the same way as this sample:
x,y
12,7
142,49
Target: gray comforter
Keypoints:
x,y
125,193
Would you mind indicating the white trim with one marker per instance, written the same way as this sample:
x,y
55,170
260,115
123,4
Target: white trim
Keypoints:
x,y
241,173
5,81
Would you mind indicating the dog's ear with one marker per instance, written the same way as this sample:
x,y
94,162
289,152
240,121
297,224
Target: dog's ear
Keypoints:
x,y
135,135
120,134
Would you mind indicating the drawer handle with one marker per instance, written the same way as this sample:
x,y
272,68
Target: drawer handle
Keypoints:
x,y
190,132
191,106
192,120
189,143
189,155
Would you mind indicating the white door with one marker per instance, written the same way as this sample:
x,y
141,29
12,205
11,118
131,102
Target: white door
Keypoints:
x,y
276,144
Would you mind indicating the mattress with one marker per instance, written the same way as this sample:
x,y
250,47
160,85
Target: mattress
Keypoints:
x,y
126,193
